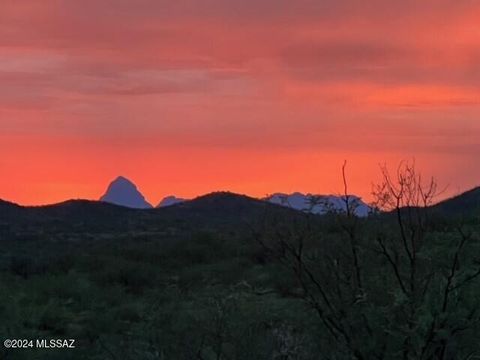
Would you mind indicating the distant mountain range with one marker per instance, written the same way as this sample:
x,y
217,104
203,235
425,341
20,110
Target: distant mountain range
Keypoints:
x,y
122,201
216,209
125,193
321,204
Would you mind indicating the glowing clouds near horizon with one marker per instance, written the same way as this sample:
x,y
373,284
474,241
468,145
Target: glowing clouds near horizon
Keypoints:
x,y
254,97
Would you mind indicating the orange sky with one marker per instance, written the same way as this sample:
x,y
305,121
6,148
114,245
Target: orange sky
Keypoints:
x,y
187,97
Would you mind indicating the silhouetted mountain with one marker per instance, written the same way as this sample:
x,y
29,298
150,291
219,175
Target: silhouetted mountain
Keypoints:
x,y
466,203
9,210
224,207
69,216
222,202
8,205
170,200
319,204
211,211
82,208
123,192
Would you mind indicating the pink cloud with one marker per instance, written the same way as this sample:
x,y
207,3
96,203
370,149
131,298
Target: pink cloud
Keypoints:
x,y
340,77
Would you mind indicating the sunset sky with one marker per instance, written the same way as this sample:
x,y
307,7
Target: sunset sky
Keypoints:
x,y
255,96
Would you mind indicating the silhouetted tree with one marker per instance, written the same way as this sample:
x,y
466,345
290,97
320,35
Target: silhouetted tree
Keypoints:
x,y
397,285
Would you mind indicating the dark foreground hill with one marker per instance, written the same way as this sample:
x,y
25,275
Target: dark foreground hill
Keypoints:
x,y
215,208
220,209
228,277
463,204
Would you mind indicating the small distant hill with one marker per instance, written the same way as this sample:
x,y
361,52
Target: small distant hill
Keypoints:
x,y
123,192
170,200
320,204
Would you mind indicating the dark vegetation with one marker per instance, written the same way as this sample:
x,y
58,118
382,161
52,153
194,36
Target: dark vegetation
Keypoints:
x,y
227,277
